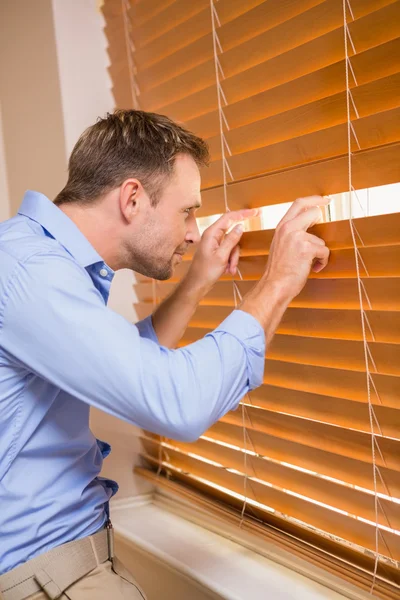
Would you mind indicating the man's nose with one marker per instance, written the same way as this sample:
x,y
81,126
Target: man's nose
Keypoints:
x,y
193,235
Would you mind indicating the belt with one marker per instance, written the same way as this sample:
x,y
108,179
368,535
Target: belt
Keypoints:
x,y
54,571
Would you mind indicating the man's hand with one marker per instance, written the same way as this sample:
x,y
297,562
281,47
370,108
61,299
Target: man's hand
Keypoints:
x,y
218,251
293,254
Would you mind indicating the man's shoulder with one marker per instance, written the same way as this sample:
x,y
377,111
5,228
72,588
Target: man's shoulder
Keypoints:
x,y
21,240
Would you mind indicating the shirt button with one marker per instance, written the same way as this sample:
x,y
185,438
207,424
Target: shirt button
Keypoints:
x,y
103,272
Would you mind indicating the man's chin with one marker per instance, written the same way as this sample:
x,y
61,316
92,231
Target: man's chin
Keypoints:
x,y
164,274
160,272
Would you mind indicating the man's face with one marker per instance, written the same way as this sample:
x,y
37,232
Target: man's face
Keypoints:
x,y
164,233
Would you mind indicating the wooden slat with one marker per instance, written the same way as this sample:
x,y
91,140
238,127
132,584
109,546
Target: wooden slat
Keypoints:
x,y
371,168
190,29
383,293
379,230
383,261
119,70
281,34
324,519
378,28
201,50
341,383
335,462
371,98
371,65
320,323
371,131
143,11
321,352
341,324
122,97
165,19
311,485
341,442
111,10
114,29
341,354
334,411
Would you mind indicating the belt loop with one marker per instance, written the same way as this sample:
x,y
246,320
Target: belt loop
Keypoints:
x,y
110,540
48,585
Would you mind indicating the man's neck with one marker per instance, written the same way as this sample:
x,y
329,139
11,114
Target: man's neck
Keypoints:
x,y
98,228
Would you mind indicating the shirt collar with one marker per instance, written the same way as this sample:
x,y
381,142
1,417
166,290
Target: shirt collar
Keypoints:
x,y
37,207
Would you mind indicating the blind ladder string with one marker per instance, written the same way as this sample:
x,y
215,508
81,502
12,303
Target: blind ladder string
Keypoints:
x,y
225,171
161,448
135,92
361,287
220,95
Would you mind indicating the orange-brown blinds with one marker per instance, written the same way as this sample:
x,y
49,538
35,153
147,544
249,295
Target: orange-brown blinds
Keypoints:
x,y
304,464
284,87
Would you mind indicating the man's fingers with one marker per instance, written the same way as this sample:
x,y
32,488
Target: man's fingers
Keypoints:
x,y
224,223
314,239
302,204
304,220
234,260
321,258
232,238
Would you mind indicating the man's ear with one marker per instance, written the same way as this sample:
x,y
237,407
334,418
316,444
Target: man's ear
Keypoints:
x,y
131,198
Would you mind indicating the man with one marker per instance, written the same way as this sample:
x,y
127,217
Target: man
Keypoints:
x,y
129,202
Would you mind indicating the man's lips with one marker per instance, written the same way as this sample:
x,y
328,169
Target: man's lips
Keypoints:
x,y
181,252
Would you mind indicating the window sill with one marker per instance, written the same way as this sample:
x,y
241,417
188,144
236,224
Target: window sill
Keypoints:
x,y
219,561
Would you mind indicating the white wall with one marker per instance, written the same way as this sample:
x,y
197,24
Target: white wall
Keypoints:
x,y
86,95
30,100
82,60
85,89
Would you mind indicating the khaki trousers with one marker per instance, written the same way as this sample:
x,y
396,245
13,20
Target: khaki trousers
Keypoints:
x,y
85,569
108,581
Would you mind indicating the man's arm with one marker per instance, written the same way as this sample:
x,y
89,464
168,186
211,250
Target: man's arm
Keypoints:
x,y
293,253
218,253
55,326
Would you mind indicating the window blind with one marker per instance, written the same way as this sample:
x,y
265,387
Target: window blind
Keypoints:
x,y
293,96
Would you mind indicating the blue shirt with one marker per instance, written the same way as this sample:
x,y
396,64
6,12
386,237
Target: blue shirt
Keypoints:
x,y
61,351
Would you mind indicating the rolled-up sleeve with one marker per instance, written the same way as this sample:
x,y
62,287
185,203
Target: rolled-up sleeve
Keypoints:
x,y
56,325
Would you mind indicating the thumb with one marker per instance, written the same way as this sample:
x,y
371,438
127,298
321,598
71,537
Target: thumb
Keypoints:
x,y
231,240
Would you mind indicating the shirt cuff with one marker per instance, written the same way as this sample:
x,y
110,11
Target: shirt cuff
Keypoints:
x,y
248,331
146,329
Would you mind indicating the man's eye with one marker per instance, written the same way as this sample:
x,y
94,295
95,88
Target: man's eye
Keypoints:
x,y
187,211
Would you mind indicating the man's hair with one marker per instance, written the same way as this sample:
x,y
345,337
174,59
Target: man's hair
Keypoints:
x,y
128,143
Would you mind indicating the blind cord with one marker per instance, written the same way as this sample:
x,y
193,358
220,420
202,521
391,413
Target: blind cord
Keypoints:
x,y
361,286
227,170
